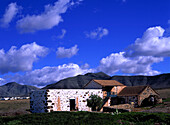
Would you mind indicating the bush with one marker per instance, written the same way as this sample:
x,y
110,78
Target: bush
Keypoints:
x,y
94,102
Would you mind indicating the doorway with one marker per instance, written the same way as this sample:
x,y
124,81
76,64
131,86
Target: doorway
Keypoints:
x,y
72,104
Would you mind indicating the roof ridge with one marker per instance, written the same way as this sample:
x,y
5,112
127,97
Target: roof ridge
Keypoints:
x,y
132,90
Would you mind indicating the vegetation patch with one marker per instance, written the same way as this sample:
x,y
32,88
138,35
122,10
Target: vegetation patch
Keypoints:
x,y
77,118
166,100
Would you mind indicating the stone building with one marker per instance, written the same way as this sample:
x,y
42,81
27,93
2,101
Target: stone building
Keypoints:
x,y
111,91
139,95
61,99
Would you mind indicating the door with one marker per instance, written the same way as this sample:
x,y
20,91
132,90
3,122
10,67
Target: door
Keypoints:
x,y
72,104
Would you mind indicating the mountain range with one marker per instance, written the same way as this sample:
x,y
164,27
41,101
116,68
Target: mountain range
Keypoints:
x,y
14,89
77,82
157,81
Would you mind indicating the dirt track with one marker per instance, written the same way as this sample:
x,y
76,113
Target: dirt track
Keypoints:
x,y
165,108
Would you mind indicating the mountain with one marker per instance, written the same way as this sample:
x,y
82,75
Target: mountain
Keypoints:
x,y
158,81
77,81
14,89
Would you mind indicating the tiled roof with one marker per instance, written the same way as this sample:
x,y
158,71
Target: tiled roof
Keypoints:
x,y
108,82
131,90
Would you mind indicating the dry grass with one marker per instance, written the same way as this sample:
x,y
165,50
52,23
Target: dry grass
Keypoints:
x,y
164,93
14,107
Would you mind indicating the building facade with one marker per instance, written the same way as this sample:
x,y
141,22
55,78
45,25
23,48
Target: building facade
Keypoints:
x,y
61,99
112,92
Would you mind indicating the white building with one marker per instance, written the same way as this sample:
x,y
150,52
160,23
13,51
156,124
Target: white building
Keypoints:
x,y
61,99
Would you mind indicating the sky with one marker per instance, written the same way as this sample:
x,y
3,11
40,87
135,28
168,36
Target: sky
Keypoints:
x,y
44,41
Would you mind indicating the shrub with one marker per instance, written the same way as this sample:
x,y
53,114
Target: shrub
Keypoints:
x,y
94,102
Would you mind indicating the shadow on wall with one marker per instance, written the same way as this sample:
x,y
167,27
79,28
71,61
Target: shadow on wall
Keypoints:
x,y
151,100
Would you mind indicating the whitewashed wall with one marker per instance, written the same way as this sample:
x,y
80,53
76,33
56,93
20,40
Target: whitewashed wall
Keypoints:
x,y
47,100
67,94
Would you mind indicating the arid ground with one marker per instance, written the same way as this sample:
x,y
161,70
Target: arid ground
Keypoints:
x,y
14,107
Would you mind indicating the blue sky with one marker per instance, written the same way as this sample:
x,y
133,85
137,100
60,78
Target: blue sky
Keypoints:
x,y
42,42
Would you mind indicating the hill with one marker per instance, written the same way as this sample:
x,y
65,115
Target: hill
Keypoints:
x,y
77,81
14,89
158,81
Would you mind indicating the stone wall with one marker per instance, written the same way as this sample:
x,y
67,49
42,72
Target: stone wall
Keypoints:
x,y
117,89
130,100
113,91
59,99
145,94
38,101
123,106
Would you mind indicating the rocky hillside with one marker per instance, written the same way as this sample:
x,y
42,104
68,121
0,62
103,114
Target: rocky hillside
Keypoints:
x,y
15,89
77,81
158,81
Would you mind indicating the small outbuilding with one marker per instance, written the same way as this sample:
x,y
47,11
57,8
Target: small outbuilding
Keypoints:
x,y
139,95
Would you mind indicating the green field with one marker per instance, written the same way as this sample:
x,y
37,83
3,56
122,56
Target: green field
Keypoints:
x,y
87,118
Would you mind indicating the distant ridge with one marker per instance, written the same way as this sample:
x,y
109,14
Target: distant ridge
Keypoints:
x,y
14,89
157,81
77,81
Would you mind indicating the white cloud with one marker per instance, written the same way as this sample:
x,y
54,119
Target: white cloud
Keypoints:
x,y
46,20
2,81
137,65
10,13
63,32
48,75
66,53
21,59
85,66
139,57
152,43
140,64
97,33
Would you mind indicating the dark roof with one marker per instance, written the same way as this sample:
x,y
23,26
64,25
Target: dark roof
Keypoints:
x,y
106,82
132,90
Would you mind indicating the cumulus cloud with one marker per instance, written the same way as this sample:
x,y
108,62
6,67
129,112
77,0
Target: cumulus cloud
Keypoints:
x,y
63,32
2,81
85,66
97,33
139,57
152,43
48,75
134,65
66,53
9,14
139,62
46,20
21,59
